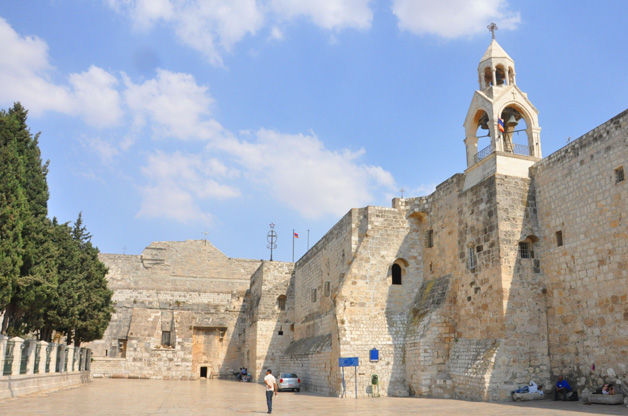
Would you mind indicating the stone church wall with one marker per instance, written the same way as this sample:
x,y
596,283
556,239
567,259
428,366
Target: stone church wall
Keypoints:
x,y
371,312
578,195
187,289
271,328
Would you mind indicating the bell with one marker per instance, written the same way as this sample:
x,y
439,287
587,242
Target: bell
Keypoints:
x,y
512,121
484,125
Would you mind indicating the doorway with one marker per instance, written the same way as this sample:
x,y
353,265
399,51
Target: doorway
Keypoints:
x,y
203,372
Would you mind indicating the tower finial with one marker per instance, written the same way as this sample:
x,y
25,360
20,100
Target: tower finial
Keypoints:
x,y
492,28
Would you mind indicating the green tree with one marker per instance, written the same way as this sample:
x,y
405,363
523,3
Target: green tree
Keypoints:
x,y
50,276
81,307
23,222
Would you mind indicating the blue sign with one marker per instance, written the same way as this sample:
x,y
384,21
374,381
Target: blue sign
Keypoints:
x,y
374,354
349,362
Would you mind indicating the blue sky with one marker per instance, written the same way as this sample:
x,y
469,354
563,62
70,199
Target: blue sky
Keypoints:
x,y
163,119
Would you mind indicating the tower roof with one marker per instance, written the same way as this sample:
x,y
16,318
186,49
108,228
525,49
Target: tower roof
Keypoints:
x,y
495,51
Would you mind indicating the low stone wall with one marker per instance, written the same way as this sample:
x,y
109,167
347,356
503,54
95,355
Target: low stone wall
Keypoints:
x,y
606,398
29,366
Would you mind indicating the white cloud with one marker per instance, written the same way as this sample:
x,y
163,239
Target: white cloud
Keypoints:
x,y
453,18
174,105
211,27
178,183
95,97
105,150
25,76
301,173
328,14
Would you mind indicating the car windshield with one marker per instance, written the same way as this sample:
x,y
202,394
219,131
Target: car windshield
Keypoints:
x,y
288,375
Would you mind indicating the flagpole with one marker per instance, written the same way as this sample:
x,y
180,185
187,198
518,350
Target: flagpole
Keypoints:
x,y
293,245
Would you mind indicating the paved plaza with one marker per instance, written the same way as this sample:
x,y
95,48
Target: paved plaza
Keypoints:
x,y
221,397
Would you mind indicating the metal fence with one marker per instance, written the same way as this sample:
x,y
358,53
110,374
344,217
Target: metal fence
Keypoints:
x,y
8,359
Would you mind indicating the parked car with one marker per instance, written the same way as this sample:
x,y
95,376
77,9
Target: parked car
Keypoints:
x,y
289,381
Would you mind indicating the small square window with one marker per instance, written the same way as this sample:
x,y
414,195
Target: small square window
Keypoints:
x,y
619,174
524,250
559,238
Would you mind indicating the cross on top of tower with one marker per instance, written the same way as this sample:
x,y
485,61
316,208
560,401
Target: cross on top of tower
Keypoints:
x,y
492,28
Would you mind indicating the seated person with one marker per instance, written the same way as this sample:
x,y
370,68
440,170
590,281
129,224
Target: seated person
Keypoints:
x,y
562,387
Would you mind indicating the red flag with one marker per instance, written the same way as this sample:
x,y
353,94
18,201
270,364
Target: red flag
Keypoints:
x,y
296,235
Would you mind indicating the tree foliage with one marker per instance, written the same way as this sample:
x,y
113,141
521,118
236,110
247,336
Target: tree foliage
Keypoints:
x,y
50,275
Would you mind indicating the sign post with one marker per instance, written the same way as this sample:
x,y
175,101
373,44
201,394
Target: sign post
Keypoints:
x,y
349,362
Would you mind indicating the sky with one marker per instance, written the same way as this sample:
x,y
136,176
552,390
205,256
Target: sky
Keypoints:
x,y
172,120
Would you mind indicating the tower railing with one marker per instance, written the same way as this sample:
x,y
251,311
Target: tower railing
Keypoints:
x,y
517,149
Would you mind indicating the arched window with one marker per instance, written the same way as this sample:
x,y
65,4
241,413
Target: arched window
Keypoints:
x,y
281,303
396,274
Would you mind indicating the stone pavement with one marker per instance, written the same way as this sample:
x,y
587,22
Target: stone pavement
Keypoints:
x,y
222,397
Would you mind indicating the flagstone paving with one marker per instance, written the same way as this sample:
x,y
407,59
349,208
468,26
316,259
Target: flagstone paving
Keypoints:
x,y
223,397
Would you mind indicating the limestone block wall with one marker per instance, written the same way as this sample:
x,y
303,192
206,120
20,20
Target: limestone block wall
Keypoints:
x,y
428,339
372,312
581,201
430,329
188,289
523,352
271,329
318,276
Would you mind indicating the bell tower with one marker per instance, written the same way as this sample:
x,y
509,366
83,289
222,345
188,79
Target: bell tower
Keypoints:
x,y
502,132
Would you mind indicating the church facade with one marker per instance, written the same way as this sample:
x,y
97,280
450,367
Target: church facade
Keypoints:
x,y
512,271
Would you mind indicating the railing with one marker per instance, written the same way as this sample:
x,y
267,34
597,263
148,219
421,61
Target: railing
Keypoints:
x,y
483,153
48,356
518,149
24,358
521,149
37,358
8,359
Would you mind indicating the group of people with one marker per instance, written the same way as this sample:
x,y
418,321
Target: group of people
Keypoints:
x,y
563,389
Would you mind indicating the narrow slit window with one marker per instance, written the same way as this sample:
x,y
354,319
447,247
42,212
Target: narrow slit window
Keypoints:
x,y
281,303
396,274
471,259
313,295
165,338
429,239
559,238
328,289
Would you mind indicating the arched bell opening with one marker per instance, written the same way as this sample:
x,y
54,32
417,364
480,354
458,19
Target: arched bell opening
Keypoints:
x,y
483,134
511,76
515,134
488,77
500,75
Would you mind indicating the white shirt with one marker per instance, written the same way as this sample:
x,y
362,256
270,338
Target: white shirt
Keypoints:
x,y
534,389
270,381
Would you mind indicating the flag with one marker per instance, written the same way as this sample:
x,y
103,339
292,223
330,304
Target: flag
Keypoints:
x,y
296,235
500,124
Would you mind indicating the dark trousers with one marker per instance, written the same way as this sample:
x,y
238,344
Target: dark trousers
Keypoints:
x,y
562,392
269,400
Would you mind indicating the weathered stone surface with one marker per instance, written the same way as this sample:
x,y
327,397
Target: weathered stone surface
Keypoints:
x,y
512,271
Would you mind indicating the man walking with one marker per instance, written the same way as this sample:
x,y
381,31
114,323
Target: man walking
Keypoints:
x,y
271,386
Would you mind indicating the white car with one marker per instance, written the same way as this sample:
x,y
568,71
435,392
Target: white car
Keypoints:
x,y
288,381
